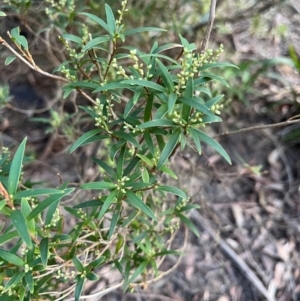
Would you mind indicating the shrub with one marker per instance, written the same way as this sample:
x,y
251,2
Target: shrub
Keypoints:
x,y
143,106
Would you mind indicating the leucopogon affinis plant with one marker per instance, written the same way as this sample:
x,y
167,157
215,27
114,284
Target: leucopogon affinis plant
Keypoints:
x,y
143,107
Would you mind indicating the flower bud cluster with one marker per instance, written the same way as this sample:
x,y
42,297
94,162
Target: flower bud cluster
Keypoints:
x,y
66,72
55,219
133,129
59,6
120,184
72,52
182,204
176,118
172,228
196,118
65,275
216,108
101,119
138,67
120,70
121,12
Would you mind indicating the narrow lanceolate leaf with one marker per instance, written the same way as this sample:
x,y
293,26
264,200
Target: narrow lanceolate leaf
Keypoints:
x,y
44,250
214,100
195,104
79,287
158,122
108,201
220,64
9,60
110,19
13,281
173,190
196,140
171,102
136,202
98,21
30,282
7,237
72,38
189,223
11,258
166,76
95,42
47,203
145,83
142,29
15,169
139,270
26,210
77,263
20,224
109,170
169,147
214,144
127,137
38,191
83,138
98,185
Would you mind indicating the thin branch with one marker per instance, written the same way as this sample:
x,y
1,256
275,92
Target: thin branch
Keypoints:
x,y
35,68
212,10
258,127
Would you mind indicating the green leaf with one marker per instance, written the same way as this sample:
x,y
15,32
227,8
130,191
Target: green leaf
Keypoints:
x,y
149,142
195,104
11,258
92,276
83,138
94,42
158,122
110,18
44,250
2,14
15,168
30,282
48,202
139,270
9,60
120,163
166,76
114,220
8,236
196,139
215,77
136,202
97,262
169,147
168,171
128,138
111,86
108,201
171,102
145,175
98,21
26,210
214,100
13,281
189,223
214,144
173,190
141,29
188,94
20,224
218,64
109,171
146,160
148,108
79,287
98,185
72,38
77,263
145,83
39,191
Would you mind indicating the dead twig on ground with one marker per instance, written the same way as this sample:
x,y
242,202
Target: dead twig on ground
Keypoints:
x,y
258,127
238,261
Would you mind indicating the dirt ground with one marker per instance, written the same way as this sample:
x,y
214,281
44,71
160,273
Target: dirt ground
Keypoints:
x,y
249,221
